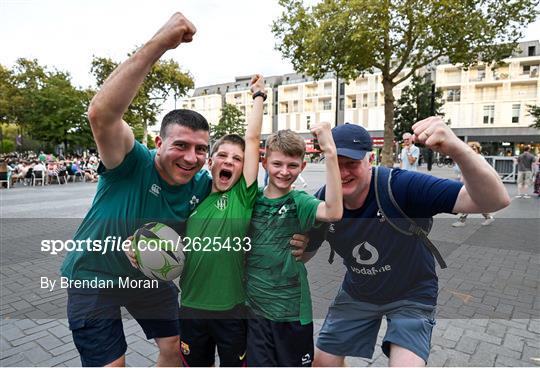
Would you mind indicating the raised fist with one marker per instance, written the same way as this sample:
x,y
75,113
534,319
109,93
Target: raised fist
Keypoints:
x,y
323,132
257,84
177,30
435,134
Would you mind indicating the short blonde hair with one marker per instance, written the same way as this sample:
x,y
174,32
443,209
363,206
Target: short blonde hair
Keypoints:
x,y
475,146
286,141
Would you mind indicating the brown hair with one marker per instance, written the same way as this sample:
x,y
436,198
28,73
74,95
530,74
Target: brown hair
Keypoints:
x,y
229,138
288,142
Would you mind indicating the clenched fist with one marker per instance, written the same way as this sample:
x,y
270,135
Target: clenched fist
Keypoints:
x,y
177,30
435,134
257,83
323,132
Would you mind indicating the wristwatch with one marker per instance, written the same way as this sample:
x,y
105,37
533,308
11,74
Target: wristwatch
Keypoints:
x,y
260,93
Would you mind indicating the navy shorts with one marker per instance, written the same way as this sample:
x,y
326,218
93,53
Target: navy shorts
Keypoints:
x,y
279,344
96,324
201,332
351,327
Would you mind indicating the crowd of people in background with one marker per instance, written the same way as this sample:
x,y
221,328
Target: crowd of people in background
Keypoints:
x,y
29,168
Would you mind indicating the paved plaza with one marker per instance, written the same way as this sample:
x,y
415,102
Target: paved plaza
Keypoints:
x,y
489,305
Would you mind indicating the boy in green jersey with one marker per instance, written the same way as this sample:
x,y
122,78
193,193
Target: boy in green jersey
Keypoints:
x,y
212,287
280,330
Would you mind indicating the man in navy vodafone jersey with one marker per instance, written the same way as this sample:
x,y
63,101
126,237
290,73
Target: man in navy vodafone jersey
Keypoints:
x,y
389,273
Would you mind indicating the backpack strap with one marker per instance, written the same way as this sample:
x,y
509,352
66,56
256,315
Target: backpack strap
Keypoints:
x,y
391,212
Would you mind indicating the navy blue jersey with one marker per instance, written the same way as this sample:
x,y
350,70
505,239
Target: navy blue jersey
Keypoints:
x,y
383,265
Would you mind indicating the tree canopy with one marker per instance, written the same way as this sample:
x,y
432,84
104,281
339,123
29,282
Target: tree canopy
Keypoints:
x,y
414,104
397,38
534,111
44,104
164,80
232,121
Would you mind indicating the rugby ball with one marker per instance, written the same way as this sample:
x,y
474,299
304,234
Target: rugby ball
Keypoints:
x,y
158,250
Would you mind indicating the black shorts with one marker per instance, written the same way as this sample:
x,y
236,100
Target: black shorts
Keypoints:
x,y
96,324
283,344
202,331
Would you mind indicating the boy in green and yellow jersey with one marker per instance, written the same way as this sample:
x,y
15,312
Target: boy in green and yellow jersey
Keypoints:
x,y
213,298
280,330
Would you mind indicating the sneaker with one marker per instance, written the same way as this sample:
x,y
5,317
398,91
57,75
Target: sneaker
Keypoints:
x,y
458,224
525,196
488,221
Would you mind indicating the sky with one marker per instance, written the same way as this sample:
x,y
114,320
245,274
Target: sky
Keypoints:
x,y
233,37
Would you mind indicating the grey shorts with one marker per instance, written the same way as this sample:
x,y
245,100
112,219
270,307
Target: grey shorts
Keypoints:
x,y
524,178
351,327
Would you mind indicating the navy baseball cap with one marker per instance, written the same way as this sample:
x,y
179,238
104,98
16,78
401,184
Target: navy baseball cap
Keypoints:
x,y
352,141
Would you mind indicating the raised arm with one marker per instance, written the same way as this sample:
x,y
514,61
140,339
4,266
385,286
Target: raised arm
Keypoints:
x,y
113,136
253,132
483,190
332,208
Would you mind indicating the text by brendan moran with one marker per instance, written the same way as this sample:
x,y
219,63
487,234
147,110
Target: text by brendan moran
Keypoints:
x,y
122,283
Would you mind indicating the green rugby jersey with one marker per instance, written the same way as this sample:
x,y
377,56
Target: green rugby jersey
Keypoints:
x,y
276,284
213,275
127,197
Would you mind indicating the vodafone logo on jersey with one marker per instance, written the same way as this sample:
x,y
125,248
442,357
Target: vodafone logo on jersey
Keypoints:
x,y
365,254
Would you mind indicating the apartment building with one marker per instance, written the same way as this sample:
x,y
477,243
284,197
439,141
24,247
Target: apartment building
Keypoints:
x,y
488,103
209,100
483,103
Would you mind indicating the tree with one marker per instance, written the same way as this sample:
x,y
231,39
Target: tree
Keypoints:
x,y
231,122
164,80
44,103
534,111
7,90
415,104
397,38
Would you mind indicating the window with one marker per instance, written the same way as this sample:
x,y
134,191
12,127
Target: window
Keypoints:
x,y
295,106
373,99
532,51
364,100
353,102
328,88
308,121
327,105
481,74
453,95
341,103
342,88
515,113
489,114
526,69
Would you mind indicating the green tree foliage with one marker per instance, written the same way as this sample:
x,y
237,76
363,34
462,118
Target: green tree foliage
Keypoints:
x,y
164,80
231,122
397,38
44,104
534,111
414,104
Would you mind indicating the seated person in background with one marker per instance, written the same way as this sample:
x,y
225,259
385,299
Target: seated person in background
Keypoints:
x,y
52,171
39,169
